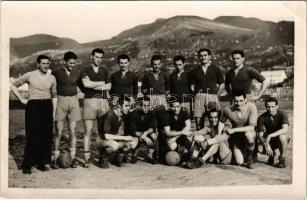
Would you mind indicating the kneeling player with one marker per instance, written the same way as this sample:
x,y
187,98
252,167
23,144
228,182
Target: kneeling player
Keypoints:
x,y
176,127
210,142
142,124
273,128
243,118
111,135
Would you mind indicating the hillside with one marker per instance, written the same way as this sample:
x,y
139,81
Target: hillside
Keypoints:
x,y
182,35
25,46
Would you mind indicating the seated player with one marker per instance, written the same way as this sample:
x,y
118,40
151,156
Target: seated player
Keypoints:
x,y
142,124
176,128
273,132
243,118
210,142
111,135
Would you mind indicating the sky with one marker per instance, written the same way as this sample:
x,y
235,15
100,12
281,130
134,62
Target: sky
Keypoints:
x,y
92,21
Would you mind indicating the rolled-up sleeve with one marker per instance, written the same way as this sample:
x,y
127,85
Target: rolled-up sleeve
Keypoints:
x,y
22,80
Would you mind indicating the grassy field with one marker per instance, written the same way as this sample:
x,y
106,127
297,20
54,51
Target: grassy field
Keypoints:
x,y
141,175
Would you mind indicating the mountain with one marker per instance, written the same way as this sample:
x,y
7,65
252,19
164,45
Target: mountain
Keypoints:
x,y
177,35
178,26
265,31
25,46
243,22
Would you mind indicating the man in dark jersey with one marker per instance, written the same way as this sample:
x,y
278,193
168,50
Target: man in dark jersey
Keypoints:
x,y
210,142
240,77
142,124
155,84
95,79
112,138
207,83
243,118
124,82
273,132
179,83
67,105
176,128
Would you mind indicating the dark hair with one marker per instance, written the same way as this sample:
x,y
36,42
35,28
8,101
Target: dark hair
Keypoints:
x,y
123,99
238,52
173,99
97,50
70,55
238,94
204,49
177,58
271,99
41,57
214,110
122,56
145,98
155,57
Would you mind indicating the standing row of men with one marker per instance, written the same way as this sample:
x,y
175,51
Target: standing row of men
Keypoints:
x,y
203,85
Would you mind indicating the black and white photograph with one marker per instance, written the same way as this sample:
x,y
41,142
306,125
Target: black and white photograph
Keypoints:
x,y
153,99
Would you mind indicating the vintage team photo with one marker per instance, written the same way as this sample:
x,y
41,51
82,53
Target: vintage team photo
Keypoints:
x,y
173,98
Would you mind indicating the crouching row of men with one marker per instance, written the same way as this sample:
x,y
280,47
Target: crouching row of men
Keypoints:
x,y
163,131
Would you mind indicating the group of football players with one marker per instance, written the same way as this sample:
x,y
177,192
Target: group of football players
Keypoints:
x,y
158,119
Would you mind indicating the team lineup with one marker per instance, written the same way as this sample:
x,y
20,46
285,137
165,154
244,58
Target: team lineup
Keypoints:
x,y
158,118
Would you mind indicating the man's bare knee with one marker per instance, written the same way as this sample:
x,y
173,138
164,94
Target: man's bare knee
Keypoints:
x,y
172,145
250,135
283,138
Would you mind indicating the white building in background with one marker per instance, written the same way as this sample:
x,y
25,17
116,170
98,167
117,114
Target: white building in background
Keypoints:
x,y
274,77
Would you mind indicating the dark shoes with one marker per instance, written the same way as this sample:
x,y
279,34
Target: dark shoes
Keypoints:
x,y
249,164
271,161
42,168
103,163
54,165
74,163
281,164
195,163
133,159
152,160
118,160
27,170
87,164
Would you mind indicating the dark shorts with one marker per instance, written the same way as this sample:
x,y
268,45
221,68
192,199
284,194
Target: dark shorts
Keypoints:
x,y
237,141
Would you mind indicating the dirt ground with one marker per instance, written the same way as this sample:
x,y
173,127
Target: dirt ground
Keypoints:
x,y
140,175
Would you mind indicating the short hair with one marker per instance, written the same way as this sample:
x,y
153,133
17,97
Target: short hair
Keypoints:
x,y
123,99
271,99
145,98
238,94
179,57
70,55
214,110
238,52
122,56
173,99
97,50
202,50
155,57
41,57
